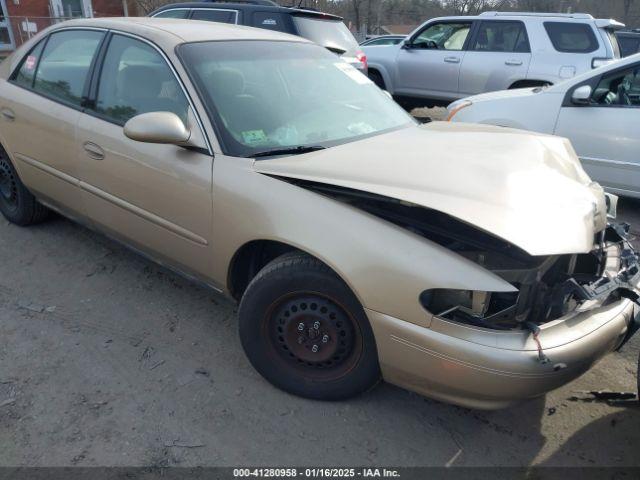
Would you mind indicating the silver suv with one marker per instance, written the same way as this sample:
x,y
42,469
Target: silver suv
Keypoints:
x,y
452,57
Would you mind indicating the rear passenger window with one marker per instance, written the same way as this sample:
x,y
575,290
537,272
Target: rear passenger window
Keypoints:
x,y
213,15
64,66
571,37
270,21
25,75
501,37
177,13
136,79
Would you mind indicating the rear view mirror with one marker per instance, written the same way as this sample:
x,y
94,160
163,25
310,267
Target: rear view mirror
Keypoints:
x,y
157,127
582,95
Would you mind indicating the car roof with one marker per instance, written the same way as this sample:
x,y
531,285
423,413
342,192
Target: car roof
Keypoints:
x,y
524,15
248,6
170,30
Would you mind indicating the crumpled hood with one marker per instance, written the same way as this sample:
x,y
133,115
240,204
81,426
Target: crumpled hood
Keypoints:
x,y
528,189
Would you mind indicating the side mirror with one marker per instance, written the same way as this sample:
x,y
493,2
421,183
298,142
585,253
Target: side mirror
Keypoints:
x,y
157,127
407,45
582,95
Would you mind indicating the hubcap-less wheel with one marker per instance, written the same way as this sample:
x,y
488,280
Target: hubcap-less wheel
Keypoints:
x,y
8,186
306,332
312,333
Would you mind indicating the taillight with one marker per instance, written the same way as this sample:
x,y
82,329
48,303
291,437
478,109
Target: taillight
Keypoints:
x,y
362,58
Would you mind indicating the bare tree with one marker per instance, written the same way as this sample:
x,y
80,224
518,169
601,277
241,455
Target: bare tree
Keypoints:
x,y
357,13
145,7
474,7
627,10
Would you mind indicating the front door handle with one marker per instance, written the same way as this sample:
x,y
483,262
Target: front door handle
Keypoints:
x,y
513,63
94,151
8,113
452,59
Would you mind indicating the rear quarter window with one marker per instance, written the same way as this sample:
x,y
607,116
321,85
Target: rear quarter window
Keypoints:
x,y
628,45
572,37
215,15
26,73
175,13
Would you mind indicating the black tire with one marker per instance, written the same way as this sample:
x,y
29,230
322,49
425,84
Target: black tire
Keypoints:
x,y
376,78
294,290
17,204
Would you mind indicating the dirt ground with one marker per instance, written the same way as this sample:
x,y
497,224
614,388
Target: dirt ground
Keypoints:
x,y
108,359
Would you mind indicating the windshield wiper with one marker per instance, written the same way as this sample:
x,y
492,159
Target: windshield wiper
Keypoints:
x,y
287,151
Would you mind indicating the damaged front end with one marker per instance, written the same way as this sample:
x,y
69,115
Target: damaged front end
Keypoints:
x,y
544,321
546,287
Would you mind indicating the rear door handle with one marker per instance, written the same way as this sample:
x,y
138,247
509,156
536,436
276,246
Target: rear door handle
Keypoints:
x,y
8,114
513,63
452,59
94,151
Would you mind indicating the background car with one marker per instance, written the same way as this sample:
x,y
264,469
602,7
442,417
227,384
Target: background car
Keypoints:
x,y
453,57
325,29
599,111
382,40
629,41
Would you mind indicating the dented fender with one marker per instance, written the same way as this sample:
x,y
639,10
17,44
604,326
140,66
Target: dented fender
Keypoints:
x,y
387,267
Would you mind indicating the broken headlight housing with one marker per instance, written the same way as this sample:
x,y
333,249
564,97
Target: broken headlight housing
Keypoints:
x,y
496,310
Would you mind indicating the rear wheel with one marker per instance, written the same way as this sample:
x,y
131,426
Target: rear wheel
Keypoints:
x,y
17,204
305,332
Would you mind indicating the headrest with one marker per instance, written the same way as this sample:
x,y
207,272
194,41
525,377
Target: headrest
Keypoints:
x,y
140,81
227,82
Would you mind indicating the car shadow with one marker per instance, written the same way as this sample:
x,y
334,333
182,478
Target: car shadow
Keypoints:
x,y
610,441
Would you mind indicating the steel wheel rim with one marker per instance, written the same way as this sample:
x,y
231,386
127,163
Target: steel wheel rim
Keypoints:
x,y
298,322
8,186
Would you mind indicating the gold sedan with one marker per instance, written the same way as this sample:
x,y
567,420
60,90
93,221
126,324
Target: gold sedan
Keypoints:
x,y
469,263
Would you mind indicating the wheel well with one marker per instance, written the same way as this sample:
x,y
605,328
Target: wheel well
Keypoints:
x,y
249,260
375,71
529,84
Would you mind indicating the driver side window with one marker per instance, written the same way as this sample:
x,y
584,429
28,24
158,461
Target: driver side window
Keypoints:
x,y
135,79
621,88
443,36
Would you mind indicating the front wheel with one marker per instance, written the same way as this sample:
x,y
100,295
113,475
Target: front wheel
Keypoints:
x,y
305,331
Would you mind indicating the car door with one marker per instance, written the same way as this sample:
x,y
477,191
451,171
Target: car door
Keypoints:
x,y
156,197
428,64
497,57
606,132
40,106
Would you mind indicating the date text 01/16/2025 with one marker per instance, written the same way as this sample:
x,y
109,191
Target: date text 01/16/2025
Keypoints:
x,y
315,472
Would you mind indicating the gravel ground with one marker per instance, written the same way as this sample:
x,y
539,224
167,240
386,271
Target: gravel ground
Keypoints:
x,y
108,359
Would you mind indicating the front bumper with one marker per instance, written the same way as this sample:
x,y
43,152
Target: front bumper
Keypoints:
x,y
490,369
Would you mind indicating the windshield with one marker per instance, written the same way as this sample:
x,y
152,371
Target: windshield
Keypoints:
x,y
265,95
332,34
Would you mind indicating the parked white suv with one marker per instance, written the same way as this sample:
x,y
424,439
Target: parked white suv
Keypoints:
x,y
599,111
452,57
